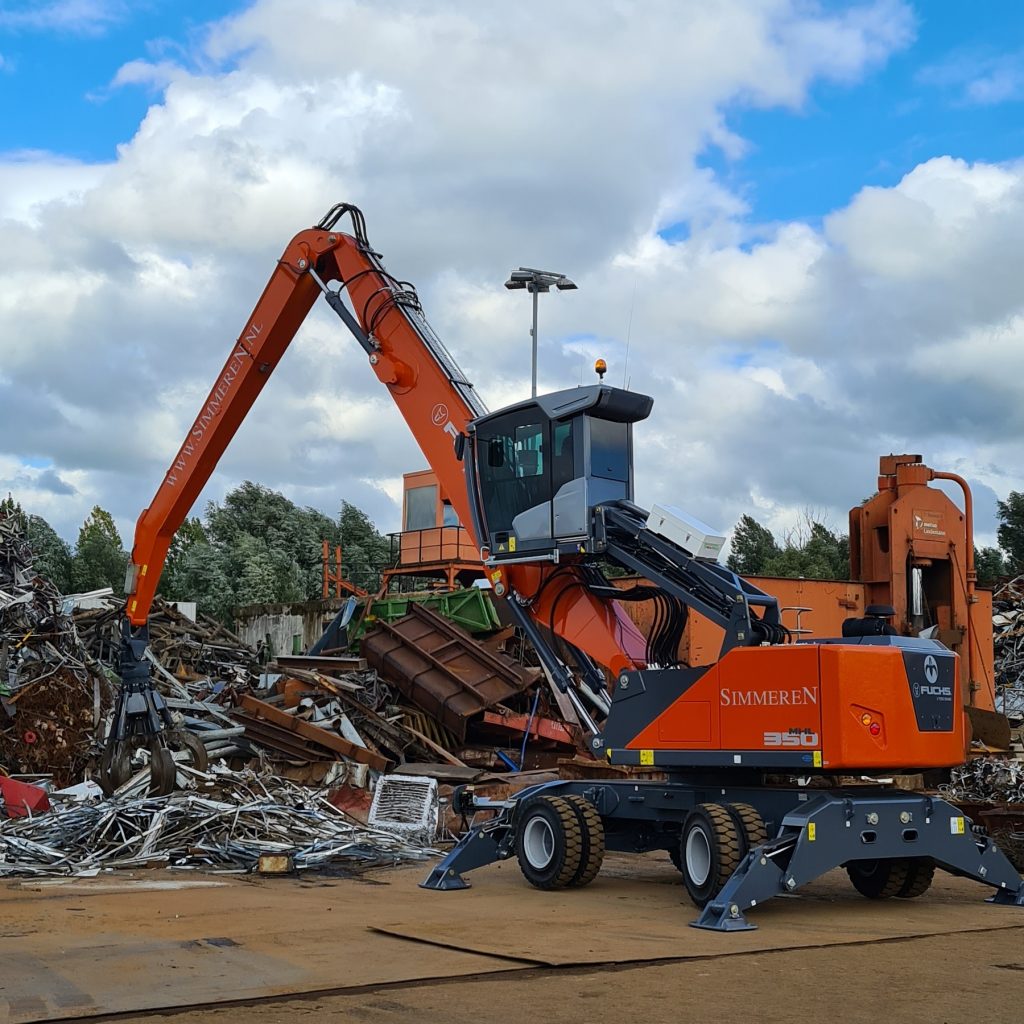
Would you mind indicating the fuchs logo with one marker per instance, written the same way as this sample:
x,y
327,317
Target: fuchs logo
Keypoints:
x,y
931,669
439,416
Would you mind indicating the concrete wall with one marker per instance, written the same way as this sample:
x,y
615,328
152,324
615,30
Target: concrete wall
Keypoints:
x,y
285,621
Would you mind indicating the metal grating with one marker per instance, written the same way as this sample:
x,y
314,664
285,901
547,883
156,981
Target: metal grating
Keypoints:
x,y
406,806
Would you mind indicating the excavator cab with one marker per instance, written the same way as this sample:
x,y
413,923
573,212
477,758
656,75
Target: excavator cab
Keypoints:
x,y
542,465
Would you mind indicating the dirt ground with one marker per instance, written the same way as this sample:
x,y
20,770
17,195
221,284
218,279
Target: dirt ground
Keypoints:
x,y
242,950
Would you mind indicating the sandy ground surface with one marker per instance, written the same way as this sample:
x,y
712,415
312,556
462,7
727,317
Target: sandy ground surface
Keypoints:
x,y
231,950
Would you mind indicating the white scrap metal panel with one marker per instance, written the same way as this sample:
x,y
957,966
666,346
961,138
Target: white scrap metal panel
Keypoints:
x,y
407,806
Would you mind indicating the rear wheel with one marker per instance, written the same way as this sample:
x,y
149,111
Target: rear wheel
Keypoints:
x,y
592,829
549,842
879,879
921,871
709,851
749,825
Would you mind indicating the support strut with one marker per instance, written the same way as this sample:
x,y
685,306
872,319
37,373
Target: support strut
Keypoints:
x,y
831,830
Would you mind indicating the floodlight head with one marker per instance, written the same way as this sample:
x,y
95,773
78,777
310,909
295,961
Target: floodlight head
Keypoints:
x,y
563,284
512,284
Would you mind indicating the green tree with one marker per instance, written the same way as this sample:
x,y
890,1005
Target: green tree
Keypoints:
x,y
191,535
202,576
753,546
1011,531
293,537
812,551
100,559
990,565
364,551
52,554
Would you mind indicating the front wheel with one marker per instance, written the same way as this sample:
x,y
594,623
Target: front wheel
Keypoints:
x,y
549,842
710,851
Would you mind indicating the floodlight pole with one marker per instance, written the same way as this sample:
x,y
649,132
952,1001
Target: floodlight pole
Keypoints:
x,y
535,290
537,281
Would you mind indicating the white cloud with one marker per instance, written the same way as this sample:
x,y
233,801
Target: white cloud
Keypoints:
x,y
978,77
82,17
784,358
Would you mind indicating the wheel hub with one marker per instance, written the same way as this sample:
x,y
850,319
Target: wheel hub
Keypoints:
x,y
698,857
538,843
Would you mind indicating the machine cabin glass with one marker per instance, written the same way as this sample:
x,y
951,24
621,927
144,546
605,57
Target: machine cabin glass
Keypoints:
x,y
542,465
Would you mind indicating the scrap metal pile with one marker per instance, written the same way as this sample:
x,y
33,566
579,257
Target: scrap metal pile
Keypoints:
x,y
237,818
991,790
1008,641
53,693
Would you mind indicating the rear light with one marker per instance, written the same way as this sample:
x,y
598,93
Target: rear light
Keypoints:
x,y
874,729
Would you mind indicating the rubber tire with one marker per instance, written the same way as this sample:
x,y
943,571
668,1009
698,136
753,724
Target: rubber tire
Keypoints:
x,y
565,861
723,841
592,828
879,879
675,854
920,873
750,826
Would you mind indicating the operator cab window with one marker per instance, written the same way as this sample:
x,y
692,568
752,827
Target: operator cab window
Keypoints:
x,y
514,468
562,461
609,449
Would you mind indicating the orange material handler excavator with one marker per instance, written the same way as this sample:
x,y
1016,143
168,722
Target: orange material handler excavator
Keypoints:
x,y
546,489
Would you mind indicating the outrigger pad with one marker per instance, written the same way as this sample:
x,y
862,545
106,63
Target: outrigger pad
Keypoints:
x,y
834,828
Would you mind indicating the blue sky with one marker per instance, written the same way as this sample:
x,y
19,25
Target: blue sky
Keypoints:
x,y
56,72
803,165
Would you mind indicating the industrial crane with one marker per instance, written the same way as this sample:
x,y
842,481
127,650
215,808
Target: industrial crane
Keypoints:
x,y
545,487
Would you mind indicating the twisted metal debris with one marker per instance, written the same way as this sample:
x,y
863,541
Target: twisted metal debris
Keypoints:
x,y
52,692
247,817
987,780
1008,644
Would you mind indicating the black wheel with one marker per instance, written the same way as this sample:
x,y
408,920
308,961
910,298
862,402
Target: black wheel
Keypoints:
x,y
920,872
879,879
709,851
675,854
549,842
749,825
592,828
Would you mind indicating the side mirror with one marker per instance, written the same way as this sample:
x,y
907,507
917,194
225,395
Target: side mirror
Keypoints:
x,y
495,452
460,446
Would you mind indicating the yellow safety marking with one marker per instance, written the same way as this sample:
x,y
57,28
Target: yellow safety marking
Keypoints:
x,y
817,759
511,543
647,757
608,753
496,576
956,826
811,830
134,603
143,572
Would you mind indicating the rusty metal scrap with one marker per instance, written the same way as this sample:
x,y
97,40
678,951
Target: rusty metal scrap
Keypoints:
x,y
52,692
442,669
